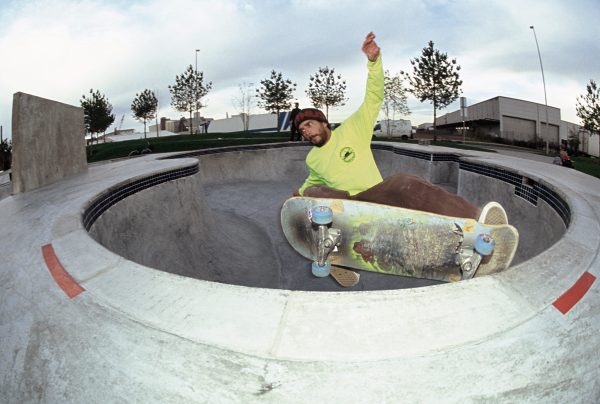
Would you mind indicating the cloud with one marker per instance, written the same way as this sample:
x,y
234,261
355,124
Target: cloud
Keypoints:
x,y
59,49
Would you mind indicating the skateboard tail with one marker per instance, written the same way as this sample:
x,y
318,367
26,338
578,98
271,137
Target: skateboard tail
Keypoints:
x,y
507,241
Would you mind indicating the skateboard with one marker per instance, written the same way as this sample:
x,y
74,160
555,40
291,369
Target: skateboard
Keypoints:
x,y
397,241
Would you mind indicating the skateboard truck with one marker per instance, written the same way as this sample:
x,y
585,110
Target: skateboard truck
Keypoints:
x,y
473,248
327,239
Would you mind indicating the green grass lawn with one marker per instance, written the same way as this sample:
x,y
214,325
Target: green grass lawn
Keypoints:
x,y
114,150
588,165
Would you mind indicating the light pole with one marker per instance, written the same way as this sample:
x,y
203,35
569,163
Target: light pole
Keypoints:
x,y
543,81
156,113
463,114
197,117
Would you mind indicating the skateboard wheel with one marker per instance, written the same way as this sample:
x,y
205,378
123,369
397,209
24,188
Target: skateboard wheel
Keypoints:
x,y
321,271
484,244
321,215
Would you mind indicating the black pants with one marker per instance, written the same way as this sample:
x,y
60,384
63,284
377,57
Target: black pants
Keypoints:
x,y
295,134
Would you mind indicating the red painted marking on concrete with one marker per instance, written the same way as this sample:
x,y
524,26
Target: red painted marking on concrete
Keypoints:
x,y
575,293
58,272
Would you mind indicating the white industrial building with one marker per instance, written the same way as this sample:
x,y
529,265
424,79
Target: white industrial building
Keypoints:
x,y
266,122
519,121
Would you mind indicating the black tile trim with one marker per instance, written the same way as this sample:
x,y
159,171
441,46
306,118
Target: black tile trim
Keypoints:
x,y
527,192
525,188
217,150
493,172
445,157
555,201
417,154
403,152
113,195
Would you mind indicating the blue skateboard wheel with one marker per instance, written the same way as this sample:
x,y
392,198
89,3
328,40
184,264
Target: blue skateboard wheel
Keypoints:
x,y
321,271
484,244
321,215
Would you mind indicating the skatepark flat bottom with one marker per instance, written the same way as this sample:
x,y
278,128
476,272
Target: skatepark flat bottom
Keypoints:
x,y
226,232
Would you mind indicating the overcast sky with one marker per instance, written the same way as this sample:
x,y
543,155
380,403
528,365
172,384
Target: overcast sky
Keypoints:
x,y
59,49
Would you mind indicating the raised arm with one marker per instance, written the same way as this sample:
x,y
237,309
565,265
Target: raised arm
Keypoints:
x,y
365,117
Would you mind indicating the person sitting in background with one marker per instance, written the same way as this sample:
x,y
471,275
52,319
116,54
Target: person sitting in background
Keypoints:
x,y
564,158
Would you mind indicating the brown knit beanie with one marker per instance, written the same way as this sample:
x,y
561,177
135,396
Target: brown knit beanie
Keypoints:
x,y
309,113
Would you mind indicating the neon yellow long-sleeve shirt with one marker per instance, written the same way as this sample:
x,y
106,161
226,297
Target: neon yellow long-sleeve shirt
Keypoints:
x,y
346,162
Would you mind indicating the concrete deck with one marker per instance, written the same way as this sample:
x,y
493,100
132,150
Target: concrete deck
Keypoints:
x,y
118,331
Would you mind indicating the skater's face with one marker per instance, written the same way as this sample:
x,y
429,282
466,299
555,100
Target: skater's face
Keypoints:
x,y
316,132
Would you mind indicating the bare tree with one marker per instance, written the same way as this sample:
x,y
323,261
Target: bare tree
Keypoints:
x,y
244,103
394,99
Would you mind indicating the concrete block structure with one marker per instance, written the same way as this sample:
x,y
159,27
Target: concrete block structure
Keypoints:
x,y
509,118
256,123
517,121
48,142
267,122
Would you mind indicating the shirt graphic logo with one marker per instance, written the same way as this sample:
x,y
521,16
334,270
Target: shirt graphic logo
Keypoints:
x,y
347,154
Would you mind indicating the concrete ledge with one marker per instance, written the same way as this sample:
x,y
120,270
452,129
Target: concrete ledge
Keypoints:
x,y
48,142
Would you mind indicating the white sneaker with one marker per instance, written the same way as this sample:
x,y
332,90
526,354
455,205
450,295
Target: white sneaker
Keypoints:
x,y
493,213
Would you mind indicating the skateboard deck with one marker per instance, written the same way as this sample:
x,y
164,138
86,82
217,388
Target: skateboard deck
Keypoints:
x,y
396,241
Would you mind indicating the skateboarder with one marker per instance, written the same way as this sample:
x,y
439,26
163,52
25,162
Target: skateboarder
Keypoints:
x,y
342,166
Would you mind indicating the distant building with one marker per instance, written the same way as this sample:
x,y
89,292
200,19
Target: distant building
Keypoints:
x,y
119,132
517,121
588,143
508,118
182,125
267,122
